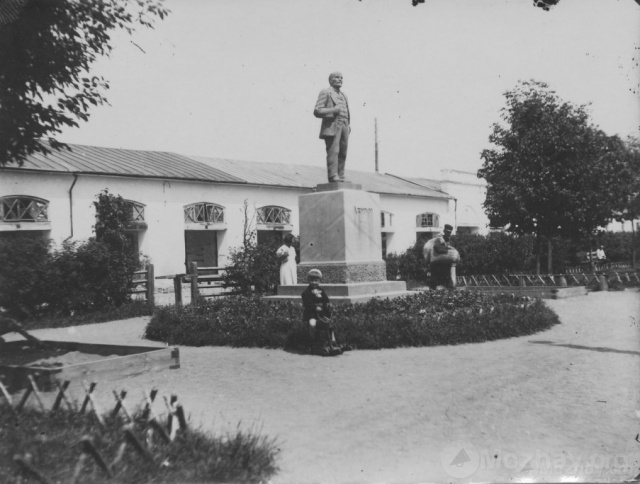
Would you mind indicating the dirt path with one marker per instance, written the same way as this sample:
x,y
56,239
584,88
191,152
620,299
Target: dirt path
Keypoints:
x,y
562,402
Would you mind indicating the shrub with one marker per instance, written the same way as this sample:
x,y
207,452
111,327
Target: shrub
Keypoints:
x,y
423,319
495,253
392,261
253,267
618,246
24,274
411,264
195,456
37,279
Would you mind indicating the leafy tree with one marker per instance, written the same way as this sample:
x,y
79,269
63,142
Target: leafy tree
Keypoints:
x,y
253,267
553,173
630,188
47,48
113,215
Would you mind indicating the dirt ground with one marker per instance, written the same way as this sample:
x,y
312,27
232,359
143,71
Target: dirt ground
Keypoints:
x,y
562,403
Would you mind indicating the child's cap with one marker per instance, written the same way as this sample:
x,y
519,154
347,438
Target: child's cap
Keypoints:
x,y
315,273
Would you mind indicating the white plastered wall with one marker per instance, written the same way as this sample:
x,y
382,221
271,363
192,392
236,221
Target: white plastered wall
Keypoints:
x,y
404,210
164,201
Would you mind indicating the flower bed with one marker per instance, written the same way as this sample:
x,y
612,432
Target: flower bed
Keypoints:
x,y
428,318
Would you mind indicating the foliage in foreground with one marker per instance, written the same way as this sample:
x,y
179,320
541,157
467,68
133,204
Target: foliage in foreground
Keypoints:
x,y
425,319
194,456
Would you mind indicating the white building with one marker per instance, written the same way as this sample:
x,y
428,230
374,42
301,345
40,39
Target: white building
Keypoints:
x,y
193,208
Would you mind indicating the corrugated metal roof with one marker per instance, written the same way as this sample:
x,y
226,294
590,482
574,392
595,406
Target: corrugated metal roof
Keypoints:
x,y
160,164
303,176
116,161
425,182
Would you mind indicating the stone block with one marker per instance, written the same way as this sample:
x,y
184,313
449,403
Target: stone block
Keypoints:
x,y
340,226
344,273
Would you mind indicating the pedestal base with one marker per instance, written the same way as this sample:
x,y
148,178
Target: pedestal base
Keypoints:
x,y
345,272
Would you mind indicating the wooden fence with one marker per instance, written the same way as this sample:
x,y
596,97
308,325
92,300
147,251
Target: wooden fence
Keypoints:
x,y
528,280
204,282
148,438
144,283
600,266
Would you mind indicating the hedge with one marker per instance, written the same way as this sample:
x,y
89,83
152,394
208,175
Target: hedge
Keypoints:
x,y
424,319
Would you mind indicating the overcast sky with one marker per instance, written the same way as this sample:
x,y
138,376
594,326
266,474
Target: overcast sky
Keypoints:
x,y
239,78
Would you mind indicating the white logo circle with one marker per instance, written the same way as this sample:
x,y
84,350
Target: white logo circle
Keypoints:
x,y
460,459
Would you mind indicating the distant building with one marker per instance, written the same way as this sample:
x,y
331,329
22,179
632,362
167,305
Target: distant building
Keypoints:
x,y
468,193
189,208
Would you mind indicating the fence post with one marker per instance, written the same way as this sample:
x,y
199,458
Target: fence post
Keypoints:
x,y
151,290
604,284
193,270
177,289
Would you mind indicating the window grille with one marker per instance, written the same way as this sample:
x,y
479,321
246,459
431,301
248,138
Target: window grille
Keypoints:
x,y
274,216
386,219
203,212
137,211
428,219
23,209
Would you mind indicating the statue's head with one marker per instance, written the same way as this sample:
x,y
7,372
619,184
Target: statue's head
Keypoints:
x,y
335,79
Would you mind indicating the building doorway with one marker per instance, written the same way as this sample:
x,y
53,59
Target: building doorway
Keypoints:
x,y
201,246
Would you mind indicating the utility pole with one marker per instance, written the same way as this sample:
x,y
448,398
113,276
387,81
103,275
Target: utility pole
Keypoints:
x,y
375,125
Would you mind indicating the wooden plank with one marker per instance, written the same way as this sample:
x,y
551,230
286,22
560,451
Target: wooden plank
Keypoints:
x,y
120,367
119,362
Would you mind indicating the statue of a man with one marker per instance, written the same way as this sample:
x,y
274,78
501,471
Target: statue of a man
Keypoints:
x,y
333,107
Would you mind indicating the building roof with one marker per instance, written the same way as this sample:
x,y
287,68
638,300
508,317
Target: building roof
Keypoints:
x,y
435,185
115,161
160,164
304,176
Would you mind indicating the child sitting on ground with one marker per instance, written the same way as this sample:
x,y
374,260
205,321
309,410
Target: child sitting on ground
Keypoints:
x,y
317,315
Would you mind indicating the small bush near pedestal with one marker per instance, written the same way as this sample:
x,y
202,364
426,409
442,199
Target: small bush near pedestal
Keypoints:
x,y
428,318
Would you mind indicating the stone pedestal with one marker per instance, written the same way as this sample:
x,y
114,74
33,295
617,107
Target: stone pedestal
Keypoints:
x,y
340,236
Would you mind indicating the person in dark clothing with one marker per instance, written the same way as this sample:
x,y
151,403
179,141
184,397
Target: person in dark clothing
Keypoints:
x,y
435,252
317,315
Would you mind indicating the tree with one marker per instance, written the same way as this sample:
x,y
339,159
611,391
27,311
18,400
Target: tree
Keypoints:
x,y
553,173
47,48
630,188
253,266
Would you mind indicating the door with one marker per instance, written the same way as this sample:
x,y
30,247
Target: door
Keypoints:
x,y
201,246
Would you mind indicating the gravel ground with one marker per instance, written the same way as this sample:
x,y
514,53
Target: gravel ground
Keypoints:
x,y
562,404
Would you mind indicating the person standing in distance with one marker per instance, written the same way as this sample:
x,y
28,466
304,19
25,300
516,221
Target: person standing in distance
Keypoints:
x,y
333,108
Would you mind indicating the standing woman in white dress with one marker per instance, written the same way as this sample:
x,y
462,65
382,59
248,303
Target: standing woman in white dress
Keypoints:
x,y
287,256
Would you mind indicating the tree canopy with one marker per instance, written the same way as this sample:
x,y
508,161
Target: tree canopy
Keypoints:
x,y
552,171
630,180
47,48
